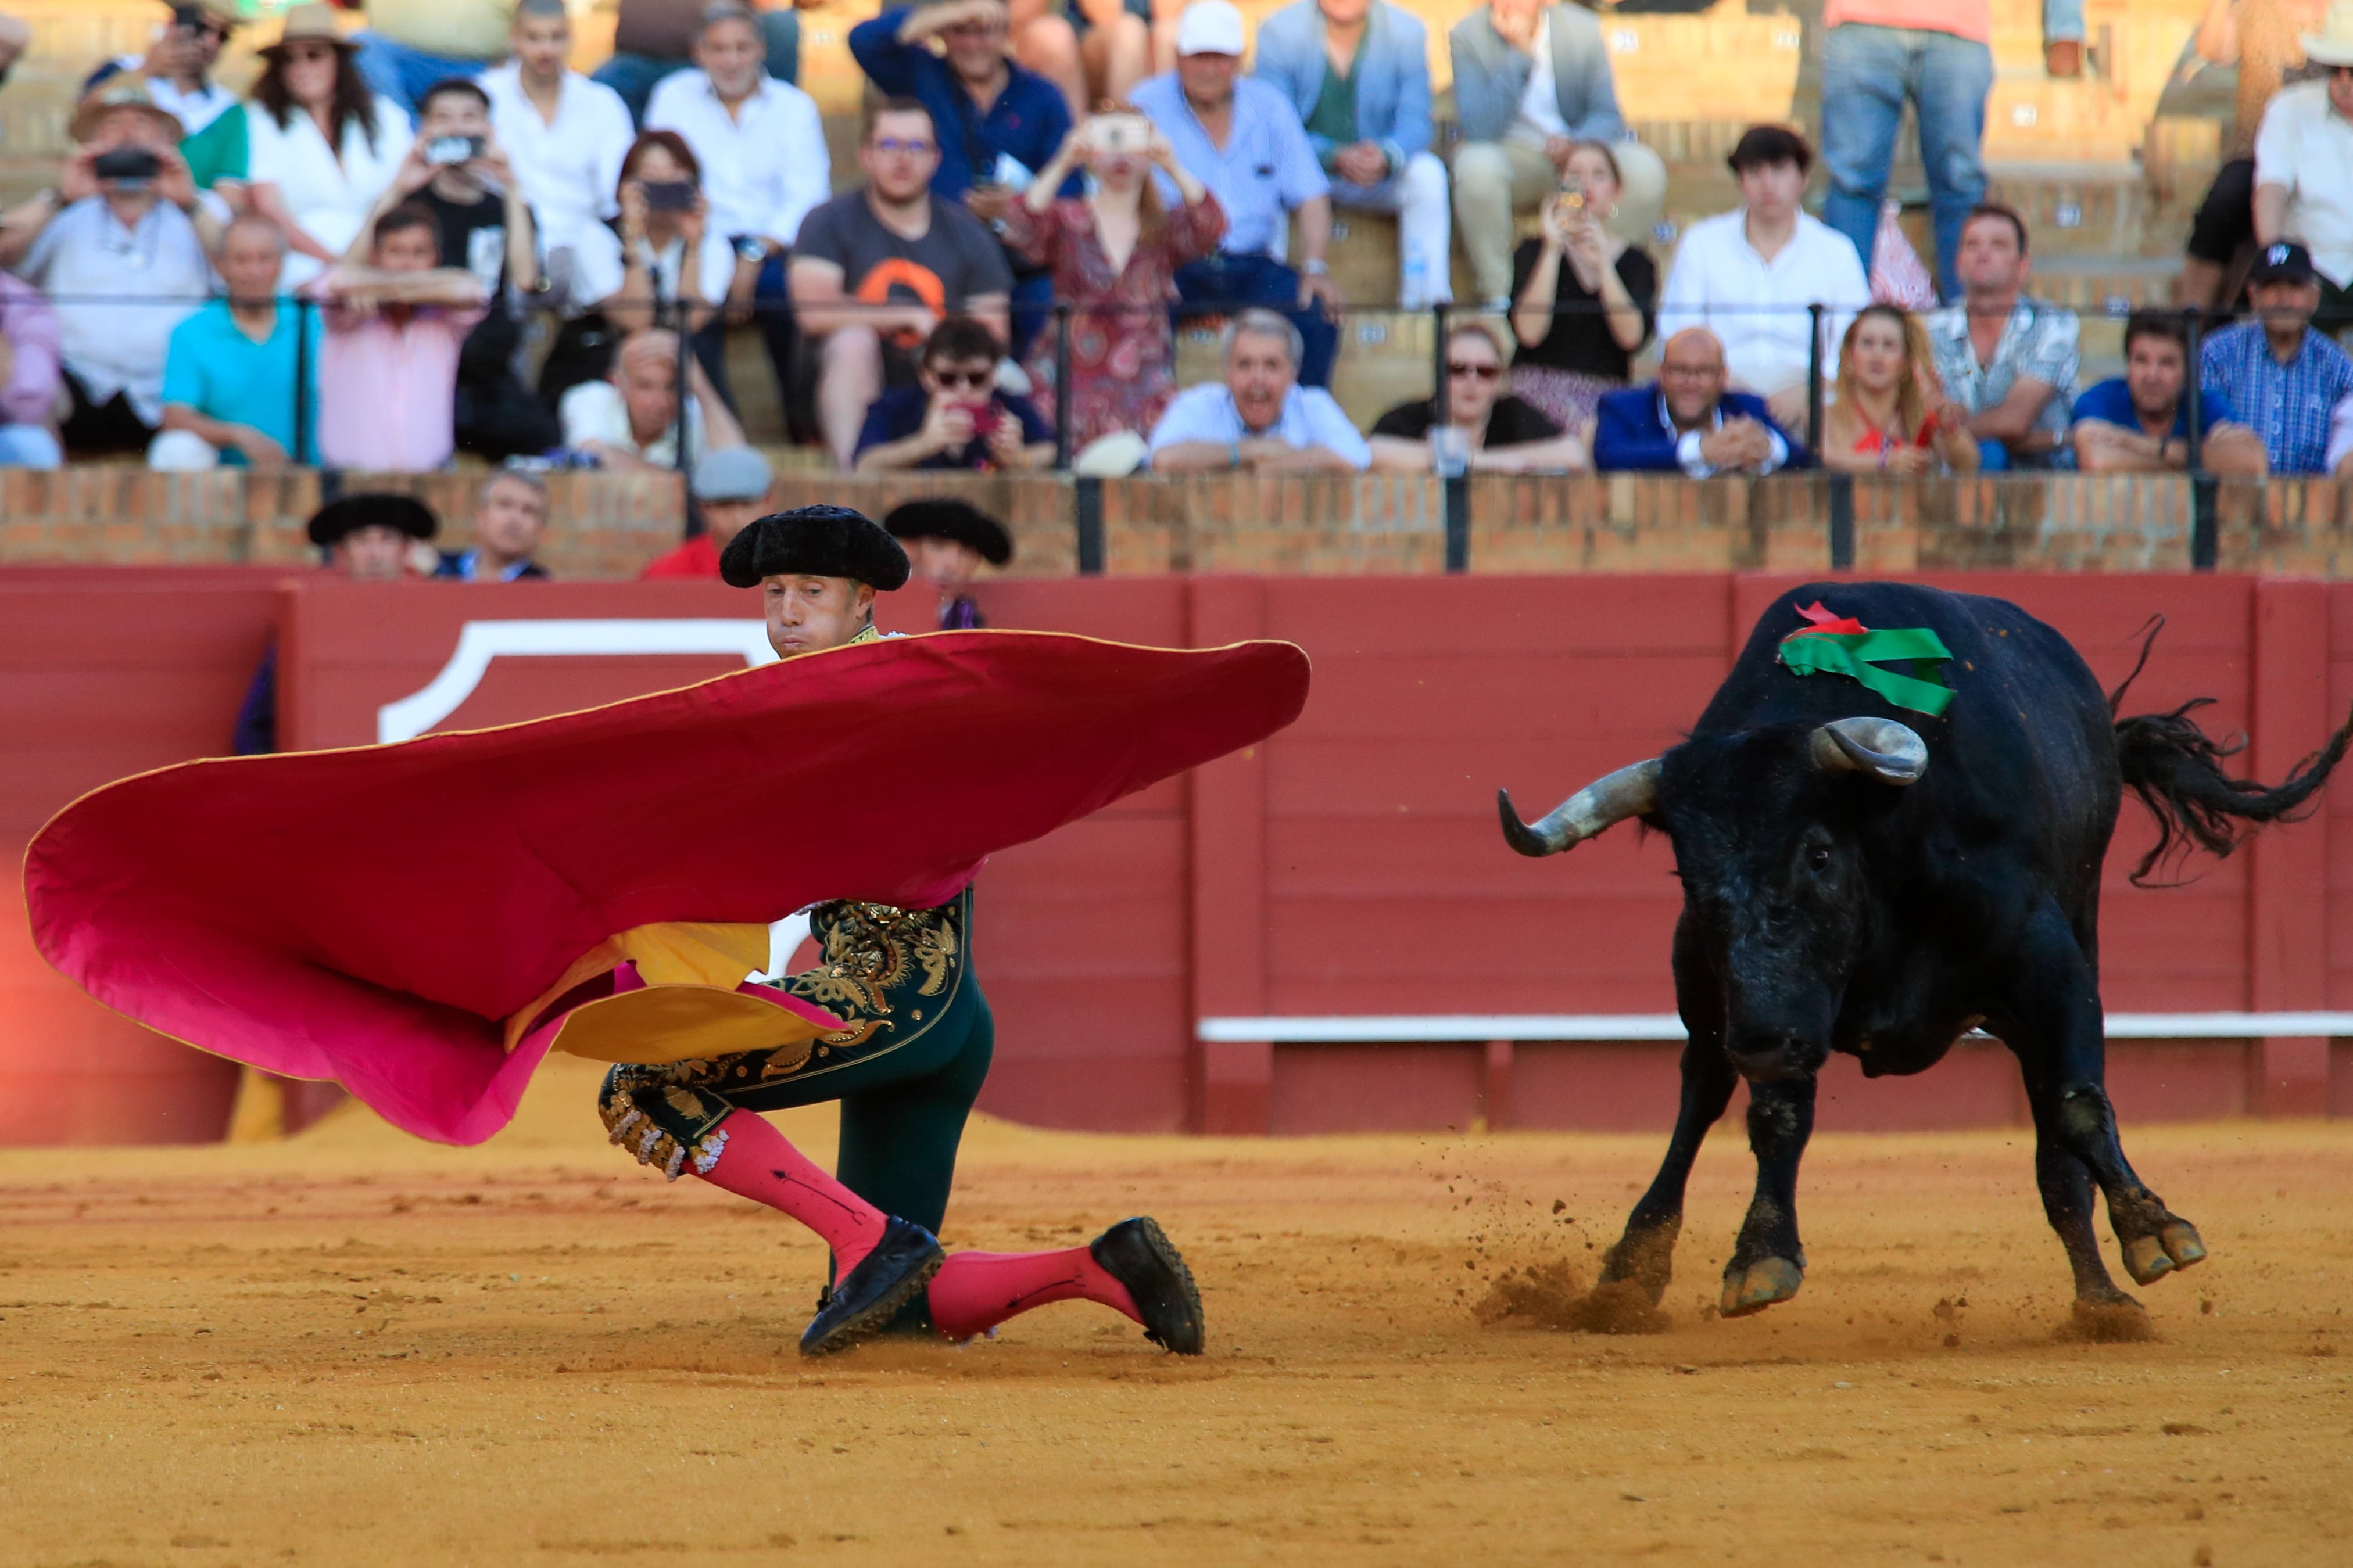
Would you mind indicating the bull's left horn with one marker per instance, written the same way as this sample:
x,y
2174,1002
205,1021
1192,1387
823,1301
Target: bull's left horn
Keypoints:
x,y
1894,753
1632,791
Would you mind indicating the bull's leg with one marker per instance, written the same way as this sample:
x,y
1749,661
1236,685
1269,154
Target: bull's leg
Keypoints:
x,y
2066,1185
1767,1262
1644,1254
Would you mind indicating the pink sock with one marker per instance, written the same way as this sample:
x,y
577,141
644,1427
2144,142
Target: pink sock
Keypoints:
x,y
979,1291
761,1164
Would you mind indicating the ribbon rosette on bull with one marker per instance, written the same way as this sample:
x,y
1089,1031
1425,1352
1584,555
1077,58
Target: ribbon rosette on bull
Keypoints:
x,y
1836,645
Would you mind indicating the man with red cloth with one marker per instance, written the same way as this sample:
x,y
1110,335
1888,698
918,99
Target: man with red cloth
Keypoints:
x,y
906,1067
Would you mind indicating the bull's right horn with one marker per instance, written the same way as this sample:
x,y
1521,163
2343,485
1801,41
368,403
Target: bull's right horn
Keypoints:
x,y
1891,753
1612,798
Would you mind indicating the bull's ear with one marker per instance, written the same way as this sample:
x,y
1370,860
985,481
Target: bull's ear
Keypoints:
x,y
1891,753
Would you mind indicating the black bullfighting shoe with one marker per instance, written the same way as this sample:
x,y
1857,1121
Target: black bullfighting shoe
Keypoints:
x,y
864,1301
1139,1254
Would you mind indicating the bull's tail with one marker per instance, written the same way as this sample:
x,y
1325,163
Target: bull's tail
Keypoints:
x,y
2176,768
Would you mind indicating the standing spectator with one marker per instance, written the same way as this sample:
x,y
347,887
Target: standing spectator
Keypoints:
x,y
510,520
947,540
1244,141
1358,74
955,416
1501,434
388,368
323,145
1259,417
123,259
1114,254
2304,167
565,134
2263,40
764,167
1877,54
2139,422
1531,81
1581,297
730,488
1687,421
1749,275
29,376
630,420
229,379
177,67
660,261
878,269
409,44
2007,359
2282,377
653,40
2063,40
1891,416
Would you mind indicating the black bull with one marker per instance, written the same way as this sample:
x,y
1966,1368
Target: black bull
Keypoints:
x,y
1864,879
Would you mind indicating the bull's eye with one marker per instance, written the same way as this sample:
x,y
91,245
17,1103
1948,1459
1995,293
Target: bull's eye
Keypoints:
x,y
1819,859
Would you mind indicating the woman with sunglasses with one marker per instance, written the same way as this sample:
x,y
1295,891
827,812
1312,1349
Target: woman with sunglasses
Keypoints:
x,y
322,145
1487,428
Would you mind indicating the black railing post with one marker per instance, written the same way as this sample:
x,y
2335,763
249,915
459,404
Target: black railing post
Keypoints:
x,y
2205,543
1062,392
688,519
1086,502
1841,522
1814,314
302,307
2194,444
1438,399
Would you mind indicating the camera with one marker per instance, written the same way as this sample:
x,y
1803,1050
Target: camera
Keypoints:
x,y
125,165
669,195
445,150
1118,132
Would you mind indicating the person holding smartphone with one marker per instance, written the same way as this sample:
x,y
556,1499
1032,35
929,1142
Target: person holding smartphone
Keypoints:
x,y
177,67
955,416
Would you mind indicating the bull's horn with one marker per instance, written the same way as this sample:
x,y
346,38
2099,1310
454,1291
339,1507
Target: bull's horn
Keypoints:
x,y
1894,753
1630,791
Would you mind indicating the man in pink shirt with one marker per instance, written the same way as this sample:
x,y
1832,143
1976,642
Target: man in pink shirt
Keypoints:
x,y
29,376
1875,54
388,368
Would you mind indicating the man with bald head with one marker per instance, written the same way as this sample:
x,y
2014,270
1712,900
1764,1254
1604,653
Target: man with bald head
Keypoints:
x,y
1686,420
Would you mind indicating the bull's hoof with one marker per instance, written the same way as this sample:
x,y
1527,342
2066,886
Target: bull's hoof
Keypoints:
x,y
1757,1287
2148,1258
2182,1243
2110,1318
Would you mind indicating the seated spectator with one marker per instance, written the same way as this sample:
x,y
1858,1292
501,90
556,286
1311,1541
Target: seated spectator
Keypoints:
x,y
2139,422
177,67
1581,297
510,520
229,379
322,144
653,40
29,377
1686,419
630,420
955,416
1749,275
2282,377
565,134
730,488
2304,167
660,261
2260,41
1358,74
1259,417
1531,81
1013,120
409,44
947,540
388,368
1112,255
765,166
878,269
1502,433
99,243
1891,415
1096,50
2009,361
1243,140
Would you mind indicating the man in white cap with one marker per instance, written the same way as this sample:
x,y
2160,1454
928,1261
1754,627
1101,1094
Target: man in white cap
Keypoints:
x,y
731,489
2304,167
1242,139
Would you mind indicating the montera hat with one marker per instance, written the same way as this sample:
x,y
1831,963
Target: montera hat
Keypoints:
x,y
372,509
815,542
945,517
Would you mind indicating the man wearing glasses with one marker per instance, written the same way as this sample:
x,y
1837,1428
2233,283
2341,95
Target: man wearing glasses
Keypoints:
x,y
2304,168
953,417
178,65
875,271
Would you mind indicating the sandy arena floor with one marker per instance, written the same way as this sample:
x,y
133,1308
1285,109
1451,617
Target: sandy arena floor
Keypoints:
x,y
350,1348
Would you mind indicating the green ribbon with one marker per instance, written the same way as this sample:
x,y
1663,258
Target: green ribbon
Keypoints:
x,y
1858,656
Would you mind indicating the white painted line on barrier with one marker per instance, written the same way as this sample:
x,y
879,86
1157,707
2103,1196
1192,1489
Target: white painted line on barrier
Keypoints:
x,y
483,641
1431,1026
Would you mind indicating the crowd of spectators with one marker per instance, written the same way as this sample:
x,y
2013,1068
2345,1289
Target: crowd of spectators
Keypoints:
x,y
344,264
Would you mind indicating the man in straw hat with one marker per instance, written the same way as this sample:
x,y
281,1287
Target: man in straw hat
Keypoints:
x,y
906,1066
2304,167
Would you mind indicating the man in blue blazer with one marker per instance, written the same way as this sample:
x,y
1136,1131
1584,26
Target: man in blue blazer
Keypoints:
x,y
1686,421
1359,73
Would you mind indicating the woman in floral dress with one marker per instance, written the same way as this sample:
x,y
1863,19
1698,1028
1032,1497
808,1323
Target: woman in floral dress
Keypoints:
x,y
1115,253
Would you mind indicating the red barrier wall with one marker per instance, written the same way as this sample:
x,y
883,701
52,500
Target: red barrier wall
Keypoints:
x,y
1351,865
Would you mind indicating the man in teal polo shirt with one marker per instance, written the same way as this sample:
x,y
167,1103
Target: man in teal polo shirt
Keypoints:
x,y
229,374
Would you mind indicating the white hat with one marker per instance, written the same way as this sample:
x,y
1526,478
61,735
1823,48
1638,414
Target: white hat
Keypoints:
x,y
2332,45
1211,28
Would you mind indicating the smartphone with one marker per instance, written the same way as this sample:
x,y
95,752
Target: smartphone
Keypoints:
x,y
124,164
669,196
984,418
445,150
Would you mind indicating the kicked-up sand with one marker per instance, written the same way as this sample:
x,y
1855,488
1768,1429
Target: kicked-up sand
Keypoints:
x,y
348,1347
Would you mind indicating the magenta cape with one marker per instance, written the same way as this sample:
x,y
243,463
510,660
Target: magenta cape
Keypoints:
x,y
373,916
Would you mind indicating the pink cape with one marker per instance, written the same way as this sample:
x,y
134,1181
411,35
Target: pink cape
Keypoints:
x,y
373,915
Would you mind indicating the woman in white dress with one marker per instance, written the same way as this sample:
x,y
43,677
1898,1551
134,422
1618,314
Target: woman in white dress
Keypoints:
x,y
324,147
